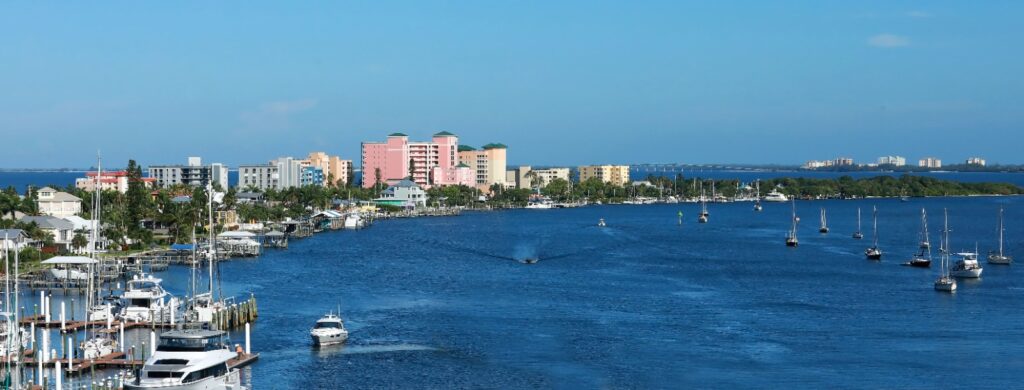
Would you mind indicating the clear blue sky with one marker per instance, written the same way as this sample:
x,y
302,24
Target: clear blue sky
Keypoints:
x,y
560,82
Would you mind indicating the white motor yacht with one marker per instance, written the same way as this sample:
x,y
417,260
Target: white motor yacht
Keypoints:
x,y
146,300
189,359
353,221
98,346
776,196
328,330
539,205
967,266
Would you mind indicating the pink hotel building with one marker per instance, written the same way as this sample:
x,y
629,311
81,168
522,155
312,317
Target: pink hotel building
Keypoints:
x,y
434,163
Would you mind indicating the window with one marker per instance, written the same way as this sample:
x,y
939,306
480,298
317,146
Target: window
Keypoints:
x,y
163,374
209,372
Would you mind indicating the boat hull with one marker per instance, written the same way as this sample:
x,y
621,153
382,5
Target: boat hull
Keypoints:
x,y
329,339
997,259
945,285
966,273
920,263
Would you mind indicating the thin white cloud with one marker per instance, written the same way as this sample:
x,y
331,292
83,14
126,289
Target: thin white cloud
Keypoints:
x,y
888,41
919,14
275,115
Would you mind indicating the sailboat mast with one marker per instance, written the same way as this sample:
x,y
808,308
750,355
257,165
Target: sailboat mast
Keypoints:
x,y
212,251
1001,231
858,220
874,217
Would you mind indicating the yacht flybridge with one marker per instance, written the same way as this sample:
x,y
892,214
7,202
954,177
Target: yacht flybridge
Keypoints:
x,y
146,300
189,359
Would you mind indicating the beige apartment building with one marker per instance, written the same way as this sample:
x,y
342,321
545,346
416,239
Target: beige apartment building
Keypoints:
x,y
488,164
333,167
611,174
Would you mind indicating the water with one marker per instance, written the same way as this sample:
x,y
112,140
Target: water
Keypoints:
x,y
643,303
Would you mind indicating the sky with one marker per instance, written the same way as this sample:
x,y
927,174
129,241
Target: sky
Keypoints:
x,y
559,82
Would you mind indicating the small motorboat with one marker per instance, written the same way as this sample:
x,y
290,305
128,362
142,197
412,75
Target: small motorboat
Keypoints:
x,y
328,330
98,346
600,223
530,260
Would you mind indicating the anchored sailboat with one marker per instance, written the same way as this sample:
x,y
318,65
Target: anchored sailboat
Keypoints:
x,y
857,234
791,239
873,253
703,218
945,282
1000,257
824,222
923,258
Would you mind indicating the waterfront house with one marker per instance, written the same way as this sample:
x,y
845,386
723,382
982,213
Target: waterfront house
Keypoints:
x,y
61,230
405,193
13,239
57,203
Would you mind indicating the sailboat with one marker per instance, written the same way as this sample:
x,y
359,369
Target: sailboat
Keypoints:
x,y
791,239
857,234
703,218
824,222
757,199
923,258
945,282
197,356
873,253
1000,257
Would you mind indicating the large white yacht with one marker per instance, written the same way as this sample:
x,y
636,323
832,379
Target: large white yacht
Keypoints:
x,y
328,330
189,359
146,300
776,196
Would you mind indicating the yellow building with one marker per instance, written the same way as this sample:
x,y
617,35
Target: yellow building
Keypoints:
x,y
488,164
334,167
611,174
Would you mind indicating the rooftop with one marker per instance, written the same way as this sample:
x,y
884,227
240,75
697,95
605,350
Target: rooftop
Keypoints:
x,y
495,146
445,134
397,135
466,148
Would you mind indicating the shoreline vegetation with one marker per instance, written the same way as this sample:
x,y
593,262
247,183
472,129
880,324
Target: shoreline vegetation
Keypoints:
x,y
129,218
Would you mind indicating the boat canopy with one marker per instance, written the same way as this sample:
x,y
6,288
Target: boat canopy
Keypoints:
x,y
236,234
69,260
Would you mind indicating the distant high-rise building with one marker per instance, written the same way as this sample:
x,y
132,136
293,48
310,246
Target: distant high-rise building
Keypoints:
x,y
194,174
896,161
611,174
335,170
929,162
843,162
259,176
976,161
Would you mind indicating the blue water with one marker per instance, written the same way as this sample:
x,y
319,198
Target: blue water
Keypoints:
x,y
643,303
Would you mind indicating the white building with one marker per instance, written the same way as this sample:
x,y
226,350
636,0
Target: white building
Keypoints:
x,y
56,203
61,230
976,161
541,177
13,239
261,176
405,193
929,162
896,161
194,174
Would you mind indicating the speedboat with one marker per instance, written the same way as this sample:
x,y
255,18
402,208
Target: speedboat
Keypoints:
x,y
530,260
146,300
189,359
600,223
328,330
776,196
967,266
